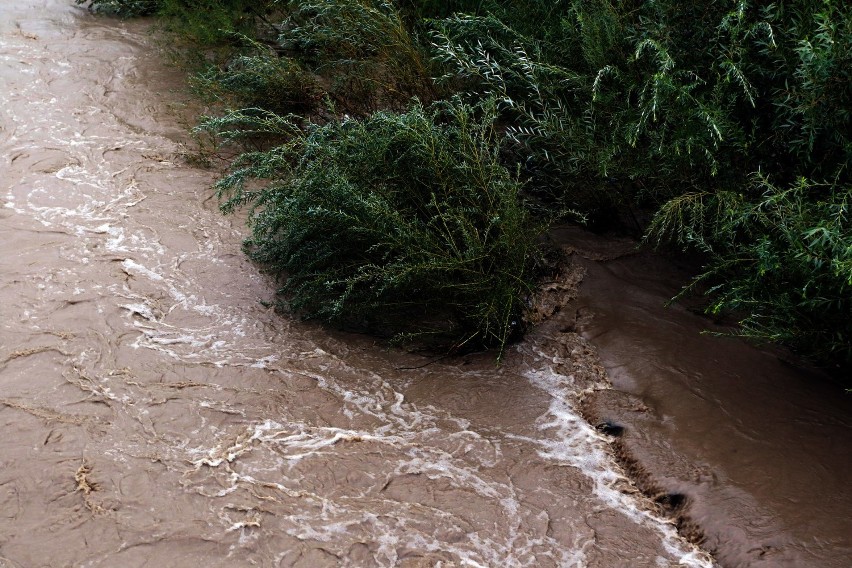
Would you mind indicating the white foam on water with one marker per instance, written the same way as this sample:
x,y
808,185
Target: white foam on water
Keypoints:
x,y
420,447
264,362
575,443
132,267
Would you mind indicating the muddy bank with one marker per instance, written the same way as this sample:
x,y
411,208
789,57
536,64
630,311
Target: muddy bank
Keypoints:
x,y
750,453
155,412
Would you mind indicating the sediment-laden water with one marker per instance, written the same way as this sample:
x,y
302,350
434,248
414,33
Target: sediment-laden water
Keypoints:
x,y
754,449
155,413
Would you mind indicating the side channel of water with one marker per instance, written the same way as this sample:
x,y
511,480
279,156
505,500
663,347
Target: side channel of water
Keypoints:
x,y
155,413
751,451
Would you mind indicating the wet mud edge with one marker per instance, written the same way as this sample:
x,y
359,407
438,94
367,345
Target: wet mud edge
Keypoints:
x,y
556,311
671,505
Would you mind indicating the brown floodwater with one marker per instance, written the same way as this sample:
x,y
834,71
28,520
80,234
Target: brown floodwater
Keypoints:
x,y
755,449
155,413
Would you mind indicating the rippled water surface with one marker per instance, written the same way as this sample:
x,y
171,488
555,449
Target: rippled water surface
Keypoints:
x,y
155,413
759,448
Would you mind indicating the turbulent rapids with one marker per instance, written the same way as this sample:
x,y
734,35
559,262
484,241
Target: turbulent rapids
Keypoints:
x,y
155,412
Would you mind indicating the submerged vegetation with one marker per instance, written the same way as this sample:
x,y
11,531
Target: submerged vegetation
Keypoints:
x,y
395,152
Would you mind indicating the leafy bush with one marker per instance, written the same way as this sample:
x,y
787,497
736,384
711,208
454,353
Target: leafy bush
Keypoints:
x,y
260,79
783,261
780,258
217,23
812,87
365,49
607,105
614,109
613,103
405,223
353,56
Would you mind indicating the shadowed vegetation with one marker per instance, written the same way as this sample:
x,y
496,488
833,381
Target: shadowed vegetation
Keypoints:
x,y
722,128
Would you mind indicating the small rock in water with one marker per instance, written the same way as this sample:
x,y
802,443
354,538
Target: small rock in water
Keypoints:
x,y
671,501
611,428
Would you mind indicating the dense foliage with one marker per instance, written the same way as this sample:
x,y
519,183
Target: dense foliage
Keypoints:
x,y
397,215
723,127
782,260
637,102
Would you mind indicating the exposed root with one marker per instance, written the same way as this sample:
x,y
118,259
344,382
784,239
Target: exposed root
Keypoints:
x,y
554,295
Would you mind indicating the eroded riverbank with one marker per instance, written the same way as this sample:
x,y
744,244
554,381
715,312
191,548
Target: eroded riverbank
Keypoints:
x,y
156,413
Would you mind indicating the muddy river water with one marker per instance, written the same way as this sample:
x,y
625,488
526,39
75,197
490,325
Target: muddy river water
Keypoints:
x,y
155,413
757,447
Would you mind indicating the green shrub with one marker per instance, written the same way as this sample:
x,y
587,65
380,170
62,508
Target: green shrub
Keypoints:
x,y
207,24
781,261
418,10
606,105
606,108
402,223
260,80
611,104
614,102
364,48
812,88
353,56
